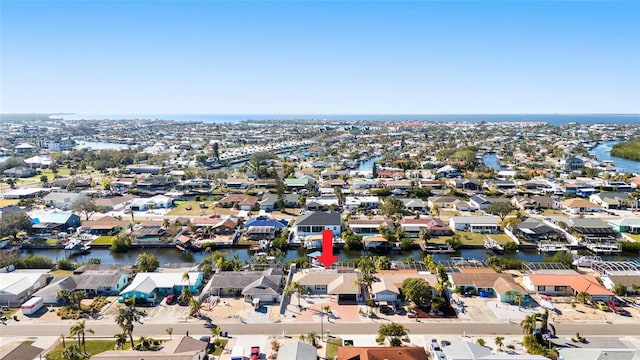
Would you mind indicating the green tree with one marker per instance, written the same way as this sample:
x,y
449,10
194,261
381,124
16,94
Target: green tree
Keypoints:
x,y
216,151
392,332
582,297
127,317
620,289
454,241
417,290
78,330
194,307
14,222
87,207
500,209
121,340
564,258
391,206
72,352
146,262
499,341
295,287
44,180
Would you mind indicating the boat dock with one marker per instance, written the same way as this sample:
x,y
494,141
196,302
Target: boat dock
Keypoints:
x,y
551,247
604,247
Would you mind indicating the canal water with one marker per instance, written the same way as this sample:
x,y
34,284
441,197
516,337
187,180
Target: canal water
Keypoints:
x,y
603,152
171,255
491,160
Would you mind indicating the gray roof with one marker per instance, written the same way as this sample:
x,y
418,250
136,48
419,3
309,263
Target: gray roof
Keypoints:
x,y
319,218
465,350
57,284
298,351
259,281
94,281
599,354
19,351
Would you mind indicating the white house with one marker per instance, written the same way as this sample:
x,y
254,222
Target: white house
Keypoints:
x,y
16,286
312,223
475,224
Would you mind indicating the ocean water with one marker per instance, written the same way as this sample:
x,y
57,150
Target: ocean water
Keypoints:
x,y
551,119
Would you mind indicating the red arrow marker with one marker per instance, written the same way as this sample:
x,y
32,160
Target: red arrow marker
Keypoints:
x,y
327,258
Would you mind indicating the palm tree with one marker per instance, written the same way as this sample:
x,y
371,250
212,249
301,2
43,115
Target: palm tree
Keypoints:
x,y
79,329
169,331
185,277
194,307
295,287
528,324
127,316
499,341
64,345
518,298
582,297
634,197
312,338
392,332
72,352
436,211
510,294
121,339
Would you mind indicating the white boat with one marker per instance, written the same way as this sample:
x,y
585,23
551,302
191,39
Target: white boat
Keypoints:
x,y
550,247
492,245
585,260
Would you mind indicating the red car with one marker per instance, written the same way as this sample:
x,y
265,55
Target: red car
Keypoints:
x,y
171,299
255,353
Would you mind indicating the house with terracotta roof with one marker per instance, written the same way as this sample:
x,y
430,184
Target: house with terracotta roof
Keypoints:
x,y
579,206
382,353
566,284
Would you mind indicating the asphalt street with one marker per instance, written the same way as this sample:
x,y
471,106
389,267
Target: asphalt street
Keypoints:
x,y
108,330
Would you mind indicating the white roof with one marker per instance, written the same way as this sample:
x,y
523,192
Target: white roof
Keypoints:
x,y
18,281
147,282
487,220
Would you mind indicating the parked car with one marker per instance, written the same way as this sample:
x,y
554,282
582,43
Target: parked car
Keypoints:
x,y
255,353
171,299
384,309
434,345
601,305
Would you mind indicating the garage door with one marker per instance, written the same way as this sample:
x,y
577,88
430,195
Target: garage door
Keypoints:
x,y
347,299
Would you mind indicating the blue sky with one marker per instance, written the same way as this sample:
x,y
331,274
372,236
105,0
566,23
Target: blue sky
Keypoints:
x,y
330,57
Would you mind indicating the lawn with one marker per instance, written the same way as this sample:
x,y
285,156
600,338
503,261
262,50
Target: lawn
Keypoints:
x,y
332,347
469,238
7,202
219,349
210,209
501,238
551,212
52,242
103,240
61,272
93,347
635,237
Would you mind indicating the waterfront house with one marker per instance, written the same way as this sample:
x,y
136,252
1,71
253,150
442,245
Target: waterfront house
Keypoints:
x,y
475,224
566,283
344,286
62,199
104,226
265,285
46,222
312,223
572,164
362,202
18,285
150,287
155,202
155,184
366,226
592,230
236,183
411,227
535,230
221,226
631,226
24,148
